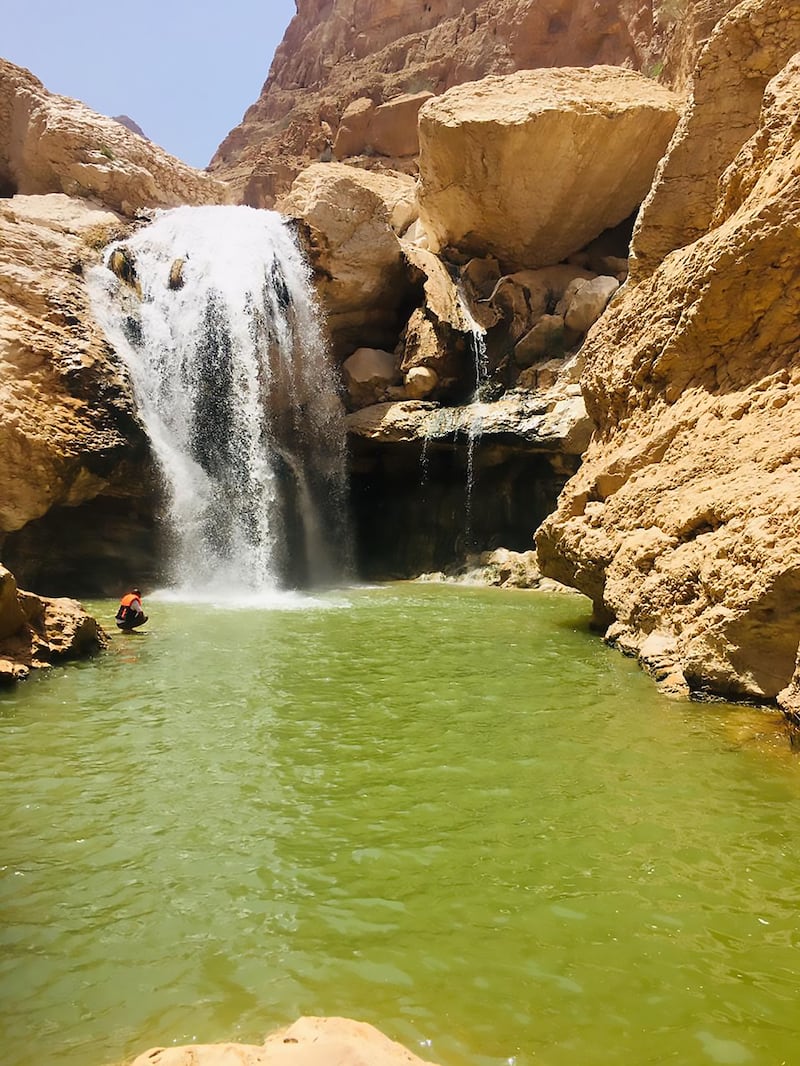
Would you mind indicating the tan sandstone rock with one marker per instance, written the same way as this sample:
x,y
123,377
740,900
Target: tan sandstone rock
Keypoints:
x,y
49,143
68,418
389,129
751,45
354,218
556,423
373,53
36,631
368,374
683,518
308,1042
532,166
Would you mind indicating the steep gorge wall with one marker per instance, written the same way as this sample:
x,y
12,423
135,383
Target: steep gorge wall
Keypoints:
x,y
682,523
350,75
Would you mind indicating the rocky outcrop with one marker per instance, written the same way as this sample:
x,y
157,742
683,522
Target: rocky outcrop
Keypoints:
x,y
308,1042
353,219
69,435
50,143
593,138
749,48
69,426
349,74
682,522
36,631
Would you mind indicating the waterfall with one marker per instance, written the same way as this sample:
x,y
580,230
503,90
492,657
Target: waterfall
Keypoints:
x,y
217,324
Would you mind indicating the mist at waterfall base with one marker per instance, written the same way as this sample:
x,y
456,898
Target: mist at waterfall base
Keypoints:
x,y
222,339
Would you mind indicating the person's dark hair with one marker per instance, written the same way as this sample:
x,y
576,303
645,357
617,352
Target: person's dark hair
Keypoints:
x,y
137,592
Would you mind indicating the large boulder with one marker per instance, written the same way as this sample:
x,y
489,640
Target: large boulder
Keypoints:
x,y
308,1042
682,522
388,129
354,218
49,143
369,374
531,167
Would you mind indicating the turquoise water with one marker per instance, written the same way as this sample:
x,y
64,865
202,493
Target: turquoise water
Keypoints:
x,y
449,812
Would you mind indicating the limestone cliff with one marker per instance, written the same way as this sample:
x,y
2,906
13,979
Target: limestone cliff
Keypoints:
x,y
49,143
69,434
349,77
36,631
682,522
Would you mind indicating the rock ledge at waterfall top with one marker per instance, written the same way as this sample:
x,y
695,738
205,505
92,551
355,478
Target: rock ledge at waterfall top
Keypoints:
x,y
50,143
37,631
681,524
349,74
525,421
533,166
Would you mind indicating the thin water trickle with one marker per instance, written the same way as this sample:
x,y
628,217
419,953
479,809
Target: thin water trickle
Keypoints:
x,y
230,370
450,812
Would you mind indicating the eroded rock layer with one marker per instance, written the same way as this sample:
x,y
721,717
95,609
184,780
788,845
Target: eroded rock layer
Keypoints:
x,y
682,523
36,631
350,75
49,143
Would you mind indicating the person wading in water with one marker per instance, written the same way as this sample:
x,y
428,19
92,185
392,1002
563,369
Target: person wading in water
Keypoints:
x,y
131,613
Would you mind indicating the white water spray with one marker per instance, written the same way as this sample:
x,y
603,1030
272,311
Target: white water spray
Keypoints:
x,y
233,383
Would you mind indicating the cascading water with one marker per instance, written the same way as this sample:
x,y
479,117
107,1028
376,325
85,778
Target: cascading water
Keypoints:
x,y
221,336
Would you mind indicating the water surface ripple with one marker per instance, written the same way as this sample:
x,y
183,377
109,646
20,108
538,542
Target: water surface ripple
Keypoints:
x,y
449,812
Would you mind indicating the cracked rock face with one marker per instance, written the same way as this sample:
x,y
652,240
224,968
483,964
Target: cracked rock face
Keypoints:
x,y
682,523
68,413
532,167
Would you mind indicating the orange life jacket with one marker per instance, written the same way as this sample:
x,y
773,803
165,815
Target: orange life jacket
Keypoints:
x,y
130,598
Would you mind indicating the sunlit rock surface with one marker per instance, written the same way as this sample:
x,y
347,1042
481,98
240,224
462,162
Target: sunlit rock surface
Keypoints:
x,y
308,1042
68,426
354,218
531,167
348,70
37,631
682,522
49,143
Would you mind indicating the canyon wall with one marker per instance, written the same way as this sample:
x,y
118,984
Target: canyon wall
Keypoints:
x,y
682,523
350,76
70,438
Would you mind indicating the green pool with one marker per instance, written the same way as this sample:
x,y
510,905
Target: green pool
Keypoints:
x,y
450,812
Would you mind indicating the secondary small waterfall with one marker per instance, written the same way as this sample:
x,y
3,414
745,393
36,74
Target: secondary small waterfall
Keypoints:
x,y
218,326
478,345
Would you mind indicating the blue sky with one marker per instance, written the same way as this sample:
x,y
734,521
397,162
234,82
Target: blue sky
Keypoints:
x,y
185,71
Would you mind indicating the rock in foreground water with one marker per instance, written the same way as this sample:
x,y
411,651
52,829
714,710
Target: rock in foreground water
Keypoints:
x,y
36,631
308,1042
